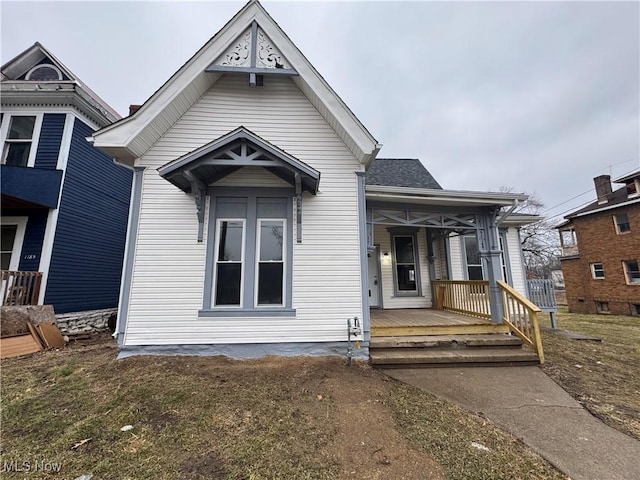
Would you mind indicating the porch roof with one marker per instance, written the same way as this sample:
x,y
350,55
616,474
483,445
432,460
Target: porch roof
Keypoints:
x,y
453,198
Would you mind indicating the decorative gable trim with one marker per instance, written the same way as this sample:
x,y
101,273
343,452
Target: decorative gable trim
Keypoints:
x,y
253,53
133,136
193,172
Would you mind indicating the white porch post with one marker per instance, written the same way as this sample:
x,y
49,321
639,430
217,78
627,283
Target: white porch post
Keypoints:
x,y
490,253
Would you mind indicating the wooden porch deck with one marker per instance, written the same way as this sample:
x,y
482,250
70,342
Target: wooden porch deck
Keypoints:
x,y
426,321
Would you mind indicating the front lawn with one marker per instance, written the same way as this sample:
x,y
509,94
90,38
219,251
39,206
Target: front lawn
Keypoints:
x,y
602,376
213,418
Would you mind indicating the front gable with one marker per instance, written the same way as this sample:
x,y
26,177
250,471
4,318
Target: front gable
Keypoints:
x,y
250,43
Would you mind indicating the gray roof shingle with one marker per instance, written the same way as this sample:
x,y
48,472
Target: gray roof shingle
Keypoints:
x,y
400,172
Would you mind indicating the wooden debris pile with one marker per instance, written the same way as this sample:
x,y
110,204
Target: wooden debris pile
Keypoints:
x,y
21,336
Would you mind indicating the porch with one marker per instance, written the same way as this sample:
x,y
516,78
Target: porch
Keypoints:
x,y
458,330
428,321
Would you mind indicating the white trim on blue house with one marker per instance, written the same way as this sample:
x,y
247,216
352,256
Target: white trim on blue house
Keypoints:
x,y
52,218
21,226
35,135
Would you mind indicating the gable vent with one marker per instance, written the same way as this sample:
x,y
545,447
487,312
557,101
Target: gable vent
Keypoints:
x,y
43,73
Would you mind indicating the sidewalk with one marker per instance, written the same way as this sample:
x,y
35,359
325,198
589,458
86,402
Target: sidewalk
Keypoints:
x,y
529,405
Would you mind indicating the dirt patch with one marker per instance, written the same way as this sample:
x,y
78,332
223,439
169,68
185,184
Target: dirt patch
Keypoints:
x,y
207,467
367,441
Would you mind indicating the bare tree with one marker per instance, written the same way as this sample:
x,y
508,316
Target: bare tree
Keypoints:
x,y
539,241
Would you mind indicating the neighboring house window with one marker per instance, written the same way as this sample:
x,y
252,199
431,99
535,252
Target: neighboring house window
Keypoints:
x,y
229,262
622,223
8,239
631,272
19,142
13,229
635,309
597,271
472,255
270,262
405,258
43,73
602,307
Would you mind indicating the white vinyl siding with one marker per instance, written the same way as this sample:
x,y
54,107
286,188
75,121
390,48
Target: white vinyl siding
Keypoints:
x,y
456,253
515,261
252,177
168,277
383,238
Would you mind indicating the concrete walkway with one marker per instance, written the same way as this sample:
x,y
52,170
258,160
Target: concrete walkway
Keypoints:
x,y
531,406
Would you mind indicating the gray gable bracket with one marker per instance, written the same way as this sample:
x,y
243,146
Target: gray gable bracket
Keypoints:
x,y
254,53
199,191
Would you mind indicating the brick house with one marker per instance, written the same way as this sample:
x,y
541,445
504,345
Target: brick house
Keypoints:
x,y
601,250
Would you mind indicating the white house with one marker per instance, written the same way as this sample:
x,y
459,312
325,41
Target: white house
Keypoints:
x,y
261,219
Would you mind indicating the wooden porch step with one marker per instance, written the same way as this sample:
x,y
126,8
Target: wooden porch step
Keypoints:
x,y
447,341
442,357
411,331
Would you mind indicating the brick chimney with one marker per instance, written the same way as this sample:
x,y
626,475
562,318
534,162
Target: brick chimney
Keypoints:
x,y
133,109
603,188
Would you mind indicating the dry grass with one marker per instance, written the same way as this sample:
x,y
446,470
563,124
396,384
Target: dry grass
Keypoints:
x,y
212,418
602,376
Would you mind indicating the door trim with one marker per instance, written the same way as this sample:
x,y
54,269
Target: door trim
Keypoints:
x,y
376,253
16,253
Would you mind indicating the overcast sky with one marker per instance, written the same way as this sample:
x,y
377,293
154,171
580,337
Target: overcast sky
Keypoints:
x,y
539,97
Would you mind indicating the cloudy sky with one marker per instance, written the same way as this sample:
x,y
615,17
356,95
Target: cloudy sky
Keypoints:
x,y
538,97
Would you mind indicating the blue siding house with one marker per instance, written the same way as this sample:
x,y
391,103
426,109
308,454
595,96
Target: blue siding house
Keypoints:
x,y
65,204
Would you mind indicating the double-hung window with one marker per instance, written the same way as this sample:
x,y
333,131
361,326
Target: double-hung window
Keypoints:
x,y
472,255
622,224
631,272
270,262
19,140
597,271
229,261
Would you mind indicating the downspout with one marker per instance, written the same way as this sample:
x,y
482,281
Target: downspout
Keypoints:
x,y
516,204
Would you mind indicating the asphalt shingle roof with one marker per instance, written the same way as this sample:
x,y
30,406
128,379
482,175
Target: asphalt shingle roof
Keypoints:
x,y
618,196
400,172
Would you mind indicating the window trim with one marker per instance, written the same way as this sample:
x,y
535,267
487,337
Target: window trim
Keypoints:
x,y
251,194
594,275
217,261
626,272
259,221
35,136
617,225
18,241
405,232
